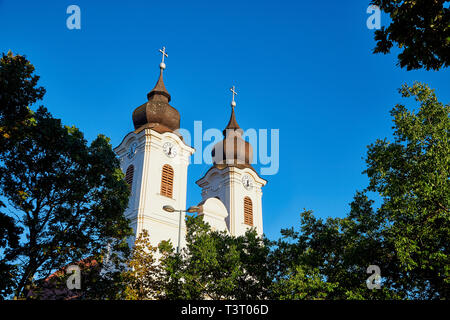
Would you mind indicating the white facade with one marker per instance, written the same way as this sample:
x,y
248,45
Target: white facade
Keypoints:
x,y
230,187
144,150
223,189
214,213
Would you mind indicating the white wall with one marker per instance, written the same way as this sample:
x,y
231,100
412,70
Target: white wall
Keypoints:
x,y
226,184
145,204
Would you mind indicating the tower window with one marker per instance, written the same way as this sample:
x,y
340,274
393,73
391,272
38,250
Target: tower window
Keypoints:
x,y
248,211
167,181
129,176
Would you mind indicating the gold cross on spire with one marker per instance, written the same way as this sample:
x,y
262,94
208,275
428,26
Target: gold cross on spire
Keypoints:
x,y
233,90
162,65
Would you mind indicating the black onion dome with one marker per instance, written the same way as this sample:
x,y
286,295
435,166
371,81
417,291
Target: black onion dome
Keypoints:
x,y
157,113
233,149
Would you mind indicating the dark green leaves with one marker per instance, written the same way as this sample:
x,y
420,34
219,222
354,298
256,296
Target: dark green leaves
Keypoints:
x,y
421,28
67,196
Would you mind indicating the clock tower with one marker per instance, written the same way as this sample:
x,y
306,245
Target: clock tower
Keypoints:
x,y
234,181
155,160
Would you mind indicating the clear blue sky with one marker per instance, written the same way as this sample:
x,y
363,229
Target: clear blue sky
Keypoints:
x,y
304,67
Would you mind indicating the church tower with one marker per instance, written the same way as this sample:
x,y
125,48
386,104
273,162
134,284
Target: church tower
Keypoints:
x,y
234,182
155,160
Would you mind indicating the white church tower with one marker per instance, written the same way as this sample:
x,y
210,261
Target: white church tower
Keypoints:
x,y
231,188
155,160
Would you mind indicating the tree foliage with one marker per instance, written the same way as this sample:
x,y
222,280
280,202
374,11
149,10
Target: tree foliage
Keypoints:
x,y
412,176
214,265
407,236
9,243
421,28
68,197
142,276
329,259
19,90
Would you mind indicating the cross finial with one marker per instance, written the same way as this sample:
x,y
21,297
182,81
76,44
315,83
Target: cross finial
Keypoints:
x,y
162,65
233,90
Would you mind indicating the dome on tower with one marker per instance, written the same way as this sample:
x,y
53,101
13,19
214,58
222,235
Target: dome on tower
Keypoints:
x,y
233,149
157,113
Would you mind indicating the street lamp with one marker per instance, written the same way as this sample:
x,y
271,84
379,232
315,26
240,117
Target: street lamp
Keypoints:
x,y
171,209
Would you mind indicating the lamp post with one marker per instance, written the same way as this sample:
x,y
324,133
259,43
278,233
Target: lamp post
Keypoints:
x,y
190,210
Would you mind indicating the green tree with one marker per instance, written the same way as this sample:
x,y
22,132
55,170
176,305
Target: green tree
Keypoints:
x,y
302,285
421,28
407,237
411,175
143,271
9,243
67,196
328,259
18,91
215,265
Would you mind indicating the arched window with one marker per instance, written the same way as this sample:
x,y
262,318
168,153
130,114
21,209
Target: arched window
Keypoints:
x,y
129,176
167,181
248,211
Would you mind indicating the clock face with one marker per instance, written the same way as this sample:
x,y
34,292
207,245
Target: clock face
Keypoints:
x,y
247,182
170,149
132,150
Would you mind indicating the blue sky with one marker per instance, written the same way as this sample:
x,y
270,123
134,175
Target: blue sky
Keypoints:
x,y
303,67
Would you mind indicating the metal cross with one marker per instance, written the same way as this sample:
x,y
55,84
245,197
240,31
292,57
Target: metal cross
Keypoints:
x,y
163,51
234,92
